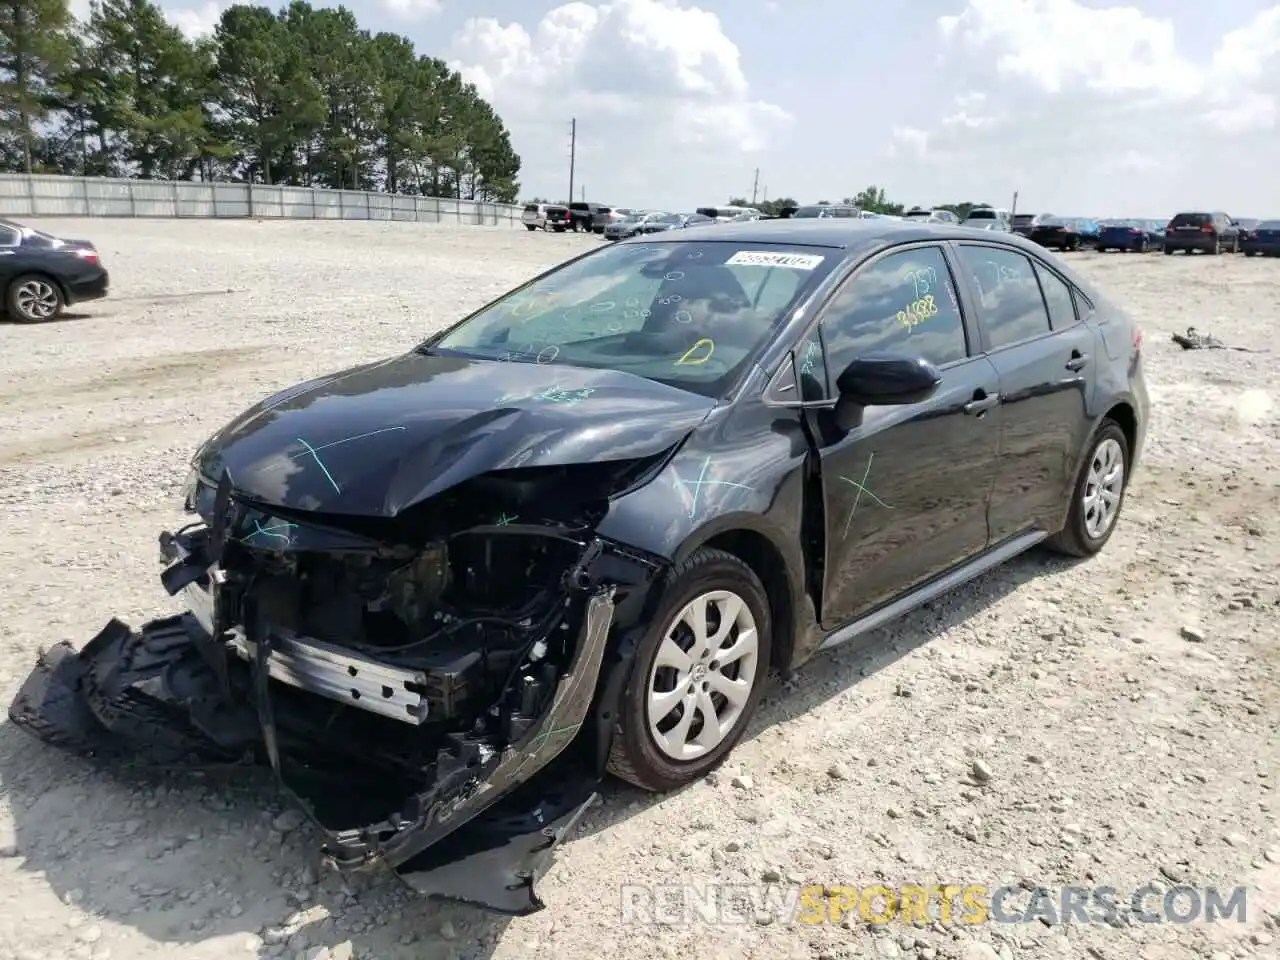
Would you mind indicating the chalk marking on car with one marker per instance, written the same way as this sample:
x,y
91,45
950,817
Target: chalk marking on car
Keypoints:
x,y
692,489
862,488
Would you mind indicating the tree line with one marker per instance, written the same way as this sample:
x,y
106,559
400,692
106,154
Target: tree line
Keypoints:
x,y
873,199
299,96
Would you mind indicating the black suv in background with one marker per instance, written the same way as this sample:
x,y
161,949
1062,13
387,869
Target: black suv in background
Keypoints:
x,y
582,215
1207,232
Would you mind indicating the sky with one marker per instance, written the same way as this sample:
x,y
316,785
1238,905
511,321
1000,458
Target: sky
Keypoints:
x,y
1083,107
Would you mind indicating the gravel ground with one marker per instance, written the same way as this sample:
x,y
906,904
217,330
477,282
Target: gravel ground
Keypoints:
x,y
1106,723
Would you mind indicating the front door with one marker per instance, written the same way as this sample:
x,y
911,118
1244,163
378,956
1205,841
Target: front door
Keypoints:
x,y
905,490
1046,360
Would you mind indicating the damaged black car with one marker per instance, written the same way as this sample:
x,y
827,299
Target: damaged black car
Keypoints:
x,y
442,595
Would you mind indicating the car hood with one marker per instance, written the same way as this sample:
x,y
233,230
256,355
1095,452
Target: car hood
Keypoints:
x,y
375,439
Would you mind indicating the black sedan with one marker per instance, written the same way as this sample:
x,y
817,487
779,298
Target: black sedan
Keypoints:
x,y
572,533
1062,233
41,274
1263,239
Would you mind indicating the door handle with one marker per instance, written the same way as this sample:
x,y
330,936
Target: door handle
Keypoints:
x,y
981,403
1078,361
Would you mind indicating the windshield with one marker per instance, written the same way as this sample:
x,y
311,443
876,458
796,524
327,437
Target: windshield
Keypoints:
x,y
687,313
982,215
668,218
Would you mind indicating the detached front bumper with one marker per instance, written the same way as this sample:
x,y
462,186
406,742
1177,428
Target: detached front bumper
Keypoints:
x,y
482,832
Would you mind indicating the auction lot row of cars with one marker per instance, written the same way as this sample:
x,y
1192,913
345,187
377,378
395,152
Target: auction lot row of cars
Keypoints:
x,y
1212,232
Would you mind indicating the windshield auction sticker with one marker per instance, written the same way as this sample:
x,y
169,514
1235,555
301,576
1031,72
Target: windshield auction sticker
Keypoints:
x,y
765,258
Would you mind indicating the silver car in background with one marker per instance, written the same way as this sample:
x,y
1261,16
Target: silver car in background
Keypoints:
x,y
629,225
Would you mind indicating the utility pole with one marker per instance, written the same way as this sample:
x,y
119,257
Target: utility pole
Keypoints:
x,y
1014,210
755,187
573,152
583,194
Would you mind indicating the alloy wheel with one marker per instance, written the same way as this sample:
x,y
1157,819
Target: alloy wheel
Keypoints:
x,y
36,299
702,675
1104,487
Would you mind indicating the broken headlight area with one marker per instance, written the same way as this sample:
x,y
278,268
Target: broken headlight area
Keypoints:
x,y
416,691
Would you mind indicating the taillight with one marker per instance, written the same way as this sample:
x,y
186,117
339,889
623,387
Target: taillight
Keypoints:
x,y
90,255
1169,231
1137,339
1207,228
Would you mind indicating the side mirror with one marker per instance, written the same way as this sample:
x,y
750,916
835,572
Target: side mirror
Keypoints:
x,y
888,379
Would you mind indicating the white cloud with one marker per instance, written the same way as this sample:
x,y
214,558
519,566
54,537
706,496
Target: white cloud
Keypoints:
x,y
656,88
197,22
1073,103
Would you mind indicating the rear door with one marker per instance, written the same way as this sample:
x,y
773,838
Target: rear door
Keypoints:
x,y
905,490
1045,357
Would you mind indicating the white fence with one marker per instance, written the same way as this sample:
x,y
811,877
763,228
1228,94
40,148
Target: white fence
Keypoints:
x,y
52,196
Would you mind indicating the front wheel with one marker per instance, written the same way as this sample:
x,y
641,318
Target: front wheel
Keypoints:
x,y
530,227
1098,495
699,673
1140,246
1168,251
33,299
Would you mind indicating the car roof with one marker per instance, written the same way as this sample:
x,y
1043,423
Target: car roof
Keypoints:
x,y
854,236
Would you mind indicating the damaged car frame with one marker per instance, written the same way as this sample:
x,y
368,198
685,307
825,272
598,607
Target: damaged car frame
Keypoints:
x,y
441,595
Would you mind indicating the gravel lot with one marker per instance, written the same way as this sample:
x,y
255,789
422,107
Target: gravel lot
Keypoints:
x,y
1125,709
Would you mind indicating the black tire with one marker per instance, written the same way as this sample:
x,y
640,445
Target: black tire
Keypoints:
x,y
34,298
1251,253
1140,246
1168,251
1216,250
1074,539
1102,249
634,757
558,229
531,227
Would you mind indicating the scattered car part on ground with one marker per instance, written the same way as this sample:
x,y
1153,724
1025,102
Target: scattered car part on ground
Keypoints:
x,y
573,532
1207,232
41,275
1194,340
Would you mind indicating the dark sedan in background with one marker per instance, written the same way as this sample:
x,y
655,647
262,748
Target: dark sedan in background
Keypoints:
x,y
1061,233
578,531
1263,239
1138,236
41,274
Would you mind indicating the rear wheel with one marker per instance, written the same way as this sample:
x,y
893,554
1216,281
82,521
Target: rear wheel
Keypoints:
x,y
1141,245
1098,494
32,298
530,227
1250,253
698,676
1168,251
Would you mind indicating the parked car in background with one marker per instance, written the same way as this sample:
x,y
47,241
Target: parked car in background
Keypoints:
x,y
629,225
582,214
1023,223
818,211
1088,229
726,213
1061,233
606,215
677,221
921,215
501,582
1263,239
1246,225
534,216
1138,236
1207,232
987,218
559,217
41,274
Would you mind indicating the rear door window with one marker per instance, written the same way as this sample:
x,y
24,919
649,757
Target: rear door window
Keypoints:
x,y
1013,308
1057,297
9,237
